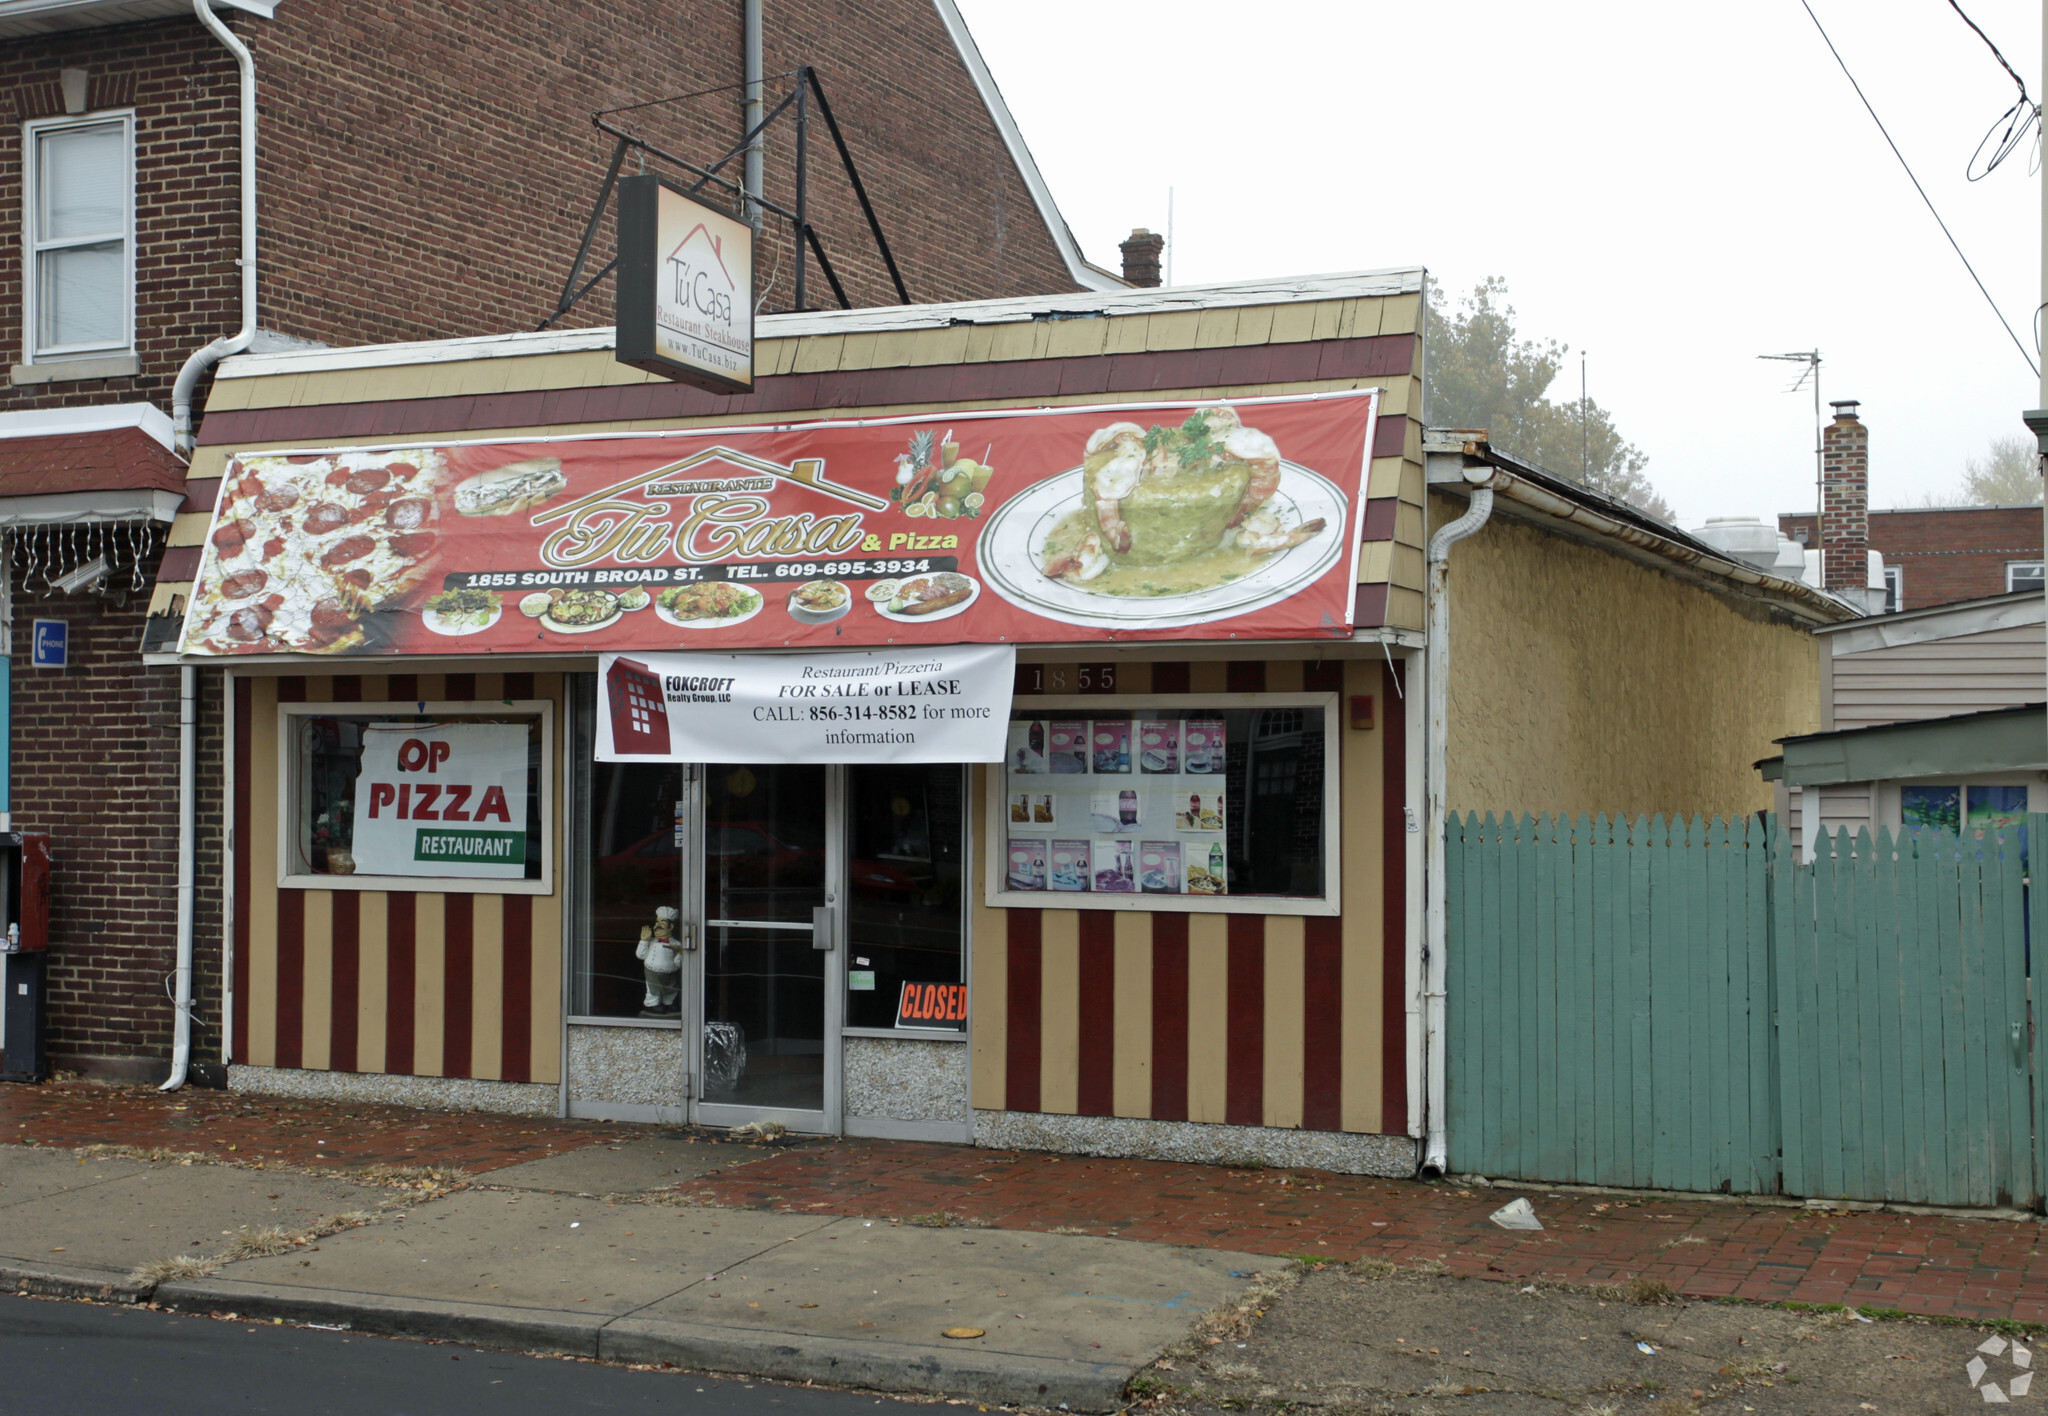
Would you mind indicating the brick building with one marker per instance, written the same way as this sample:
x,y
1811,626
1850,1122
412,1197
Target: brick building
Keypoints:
x,y
423,170
1941,555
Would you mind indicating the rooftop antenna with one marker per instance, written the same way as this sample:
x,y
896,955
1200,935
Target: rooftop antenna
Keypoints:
x,y
1169,235
1810,358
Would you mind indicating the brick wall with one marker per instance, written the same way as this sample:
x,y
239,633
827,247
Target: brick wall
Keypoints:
x,y
96,766
1947,553
181,85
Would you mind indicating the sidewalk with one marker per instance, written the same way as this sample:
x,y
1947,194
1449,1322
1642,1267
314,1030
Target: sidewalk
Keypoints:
x,y
638,1244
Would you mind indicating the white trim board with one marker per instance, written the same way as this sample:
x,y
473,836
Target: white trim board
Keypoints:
x,y
96,418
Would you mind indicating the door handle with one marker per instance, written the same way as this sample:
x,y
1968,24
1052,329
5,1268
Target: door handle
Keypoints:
x,y
821,928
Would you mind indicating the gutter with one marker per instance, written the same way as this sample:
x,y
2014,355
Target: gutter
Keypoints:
x,y
182,392
1436,659
205,358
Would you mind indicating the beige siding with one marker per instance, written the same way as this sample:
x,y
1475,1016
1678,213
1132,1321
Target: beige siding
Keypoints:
x,y
1847,804
1969,673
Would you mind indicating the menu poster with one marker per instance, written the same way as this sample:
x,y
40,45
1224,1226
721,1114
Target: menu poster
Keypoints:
x,y
1027,747
1202,741
1205,877
1070,865
1159,867
1159,746
1112,747
1115,868
1069,752
1202,811
1027,864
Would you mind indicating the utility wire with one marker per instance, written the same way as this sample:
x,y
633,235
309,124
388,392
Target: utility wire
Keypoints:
x,y
2019,120
1917,187
1990,46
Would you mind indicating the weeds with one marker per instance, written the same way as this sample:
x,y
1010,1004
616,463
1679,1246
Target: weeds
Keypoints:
x,y
176,1269
946,1219
1649,1292
260,1243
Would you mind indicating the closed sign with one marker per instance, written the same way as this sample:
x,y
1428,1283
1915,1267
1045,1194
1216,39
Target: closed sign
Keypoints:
x,y
933,1005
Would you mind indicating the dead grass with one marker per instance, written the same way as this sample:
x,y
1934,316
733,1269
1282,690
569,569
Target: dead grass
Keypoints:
x,y
177,1268
260,1243
946,1219
159,1154
430,1180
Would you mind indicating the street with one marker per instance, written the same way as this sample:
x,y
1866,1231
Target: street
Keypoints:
x,y
80,1359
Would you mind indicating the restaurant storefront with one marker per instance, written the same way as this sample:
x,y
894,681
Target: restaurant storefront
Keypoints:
x,y
1012,767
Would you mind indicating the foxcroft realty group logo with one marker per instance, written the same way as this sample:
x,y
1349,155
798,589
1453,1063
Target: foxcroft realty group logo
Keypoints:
x,y
2000,1370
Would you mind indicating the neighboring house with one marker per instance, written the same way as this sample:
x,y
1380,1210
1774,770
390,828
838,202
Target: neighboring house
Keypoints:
x,y
422,170
1249,979
1906,703
1930,555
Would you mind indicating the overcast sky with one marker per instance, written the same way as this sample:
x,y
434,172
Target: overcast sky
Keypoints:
x,y
1674,189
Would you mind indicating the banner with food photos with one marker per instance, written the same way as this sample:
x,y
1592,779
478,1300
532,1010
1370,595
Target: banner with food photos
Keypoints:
x,y
1236,519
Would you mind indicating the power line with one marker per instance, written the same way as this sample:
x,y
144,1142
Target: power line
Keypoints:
x,y
1990,46
1916,184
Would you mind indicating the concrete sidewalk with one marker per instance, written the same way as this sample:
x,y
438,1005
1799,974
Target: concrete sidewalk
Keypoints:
x,y
592,1254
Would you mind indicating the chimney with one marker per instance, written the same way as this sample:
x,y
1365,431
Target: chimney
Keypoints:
x,y
1141,257
1845,502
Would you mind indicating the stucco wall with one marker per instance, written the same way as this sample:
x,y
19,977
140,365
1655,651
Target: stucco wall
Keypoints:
x,y
1581,681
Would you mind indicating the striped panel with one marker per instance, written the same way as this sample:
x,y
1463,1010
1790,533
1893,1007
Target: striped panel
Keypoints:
x,y
1264,1020
411,983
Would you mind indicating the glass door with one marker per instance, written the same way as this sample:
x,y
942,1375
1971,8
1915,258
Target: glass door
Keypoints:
x,y
767,1028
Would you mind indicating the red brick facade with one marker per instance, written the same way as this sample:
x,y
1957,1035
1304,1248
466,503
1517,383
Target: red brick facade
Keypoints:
x,y
425,171
1945,554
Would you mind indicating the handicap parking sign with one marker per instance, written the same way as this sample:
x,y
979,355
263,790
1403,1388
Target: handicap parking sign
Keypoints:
x,y
48,648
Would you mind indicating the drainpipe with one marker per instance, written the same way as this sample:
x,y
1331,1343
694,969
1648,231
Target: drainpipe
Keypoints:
x,y
1436,652
206,357
196,366
188,831
751,113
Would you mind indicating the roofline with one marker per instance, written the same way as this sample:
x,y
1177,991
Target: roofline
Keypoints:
x,y
1962,744
1085,274
1951,720
1926,510
93,418
1952,607
1597,516
1022,309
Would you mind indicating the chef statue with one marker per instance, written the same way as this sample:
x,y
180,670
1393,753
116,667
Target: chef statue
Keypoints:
x,y
660,962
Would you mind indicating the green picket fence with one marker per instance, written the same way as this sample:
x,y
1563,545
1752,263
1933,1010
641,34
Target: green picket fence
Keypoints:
x,y
1681,1004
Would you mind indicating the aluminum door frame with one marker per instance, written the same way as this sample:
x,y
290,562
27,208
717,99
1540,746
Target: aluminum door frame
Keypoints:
x,y
830,1119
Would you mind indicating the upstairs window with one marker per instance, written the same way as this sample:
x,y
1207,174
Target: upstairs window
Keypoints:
x,y
78,225
1894,589
2023,575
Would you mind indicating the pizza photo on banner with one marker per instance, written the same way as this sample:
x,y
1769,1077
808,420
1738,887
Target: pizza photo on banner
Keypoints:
x,y
1159,521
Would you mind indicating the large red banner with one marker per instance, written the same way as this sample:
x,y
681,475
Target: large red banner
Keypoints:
x,y
1157,521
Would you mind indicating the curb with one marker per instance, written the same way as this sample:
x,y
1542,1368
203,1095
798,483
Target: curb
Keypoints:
x,y
99,1285
981,1375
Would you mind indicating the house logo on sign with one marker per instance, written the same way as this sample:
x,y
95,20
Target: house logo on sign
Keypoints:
x,y
699,282
49,644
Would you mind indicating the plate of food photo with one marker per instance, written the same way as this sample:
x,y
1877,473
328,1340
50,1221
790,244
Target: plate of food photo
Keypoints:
x,y
466,611
573,611
708,604
920,599
819,602
1163,526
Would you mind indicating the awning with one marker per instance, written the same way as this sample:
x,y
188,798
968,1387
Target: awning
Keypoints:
x,y
110,463
1998,740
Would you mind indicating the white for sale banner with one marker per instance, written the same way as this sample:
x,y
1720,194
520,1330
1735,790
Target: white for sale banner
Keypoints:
x,y
948,703
443,799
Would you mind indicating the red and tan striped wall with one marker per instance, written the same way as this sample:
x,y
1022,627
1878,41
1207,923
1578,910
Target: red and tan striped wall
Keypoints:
x,y
405,982
1245,1019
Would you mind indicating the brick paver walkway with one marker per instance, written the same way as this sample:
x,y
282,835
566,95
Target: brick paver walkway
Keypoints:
x,y
1966,1268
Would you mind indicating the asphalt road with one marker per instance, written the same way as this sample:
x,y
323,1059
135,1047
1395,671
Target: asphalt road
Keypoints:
x,y
81,1359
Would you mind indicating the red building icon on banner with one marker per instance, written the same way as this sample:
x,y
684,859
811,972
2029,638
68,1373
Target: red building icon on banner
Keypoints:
x,y
639,712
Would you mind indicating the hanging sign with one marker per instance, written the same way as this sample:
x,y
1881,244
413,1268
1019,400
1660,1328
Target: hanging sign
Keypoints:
x,y
933,1005
1164,521
686,288
444,799
916,704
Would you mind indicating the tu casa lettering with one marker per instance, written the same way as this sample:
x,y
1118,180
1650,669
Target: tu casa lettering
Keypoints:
x,y
442,800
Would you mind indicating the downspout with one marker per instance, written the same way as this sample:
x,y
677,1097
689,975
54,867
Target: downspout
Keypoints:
x,y
751,112
205,358
188,831
1436,652
196,366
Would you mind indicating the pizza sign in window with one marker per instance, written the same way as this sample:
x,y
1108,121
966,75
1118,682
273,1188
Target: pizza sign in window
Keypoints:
x,y
446,799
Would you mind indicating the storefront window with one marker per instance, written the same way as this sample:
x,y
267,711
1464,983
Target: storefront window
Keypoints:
x,y
1168,799
904,924
440,802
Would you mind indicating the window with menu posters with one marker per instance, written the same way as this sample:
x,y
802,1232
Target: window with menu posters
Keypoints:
x,y
1168,802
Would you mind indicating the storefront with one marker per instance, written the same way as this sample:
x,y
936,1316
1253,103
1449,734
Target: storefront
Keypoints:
x,y
1017,766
